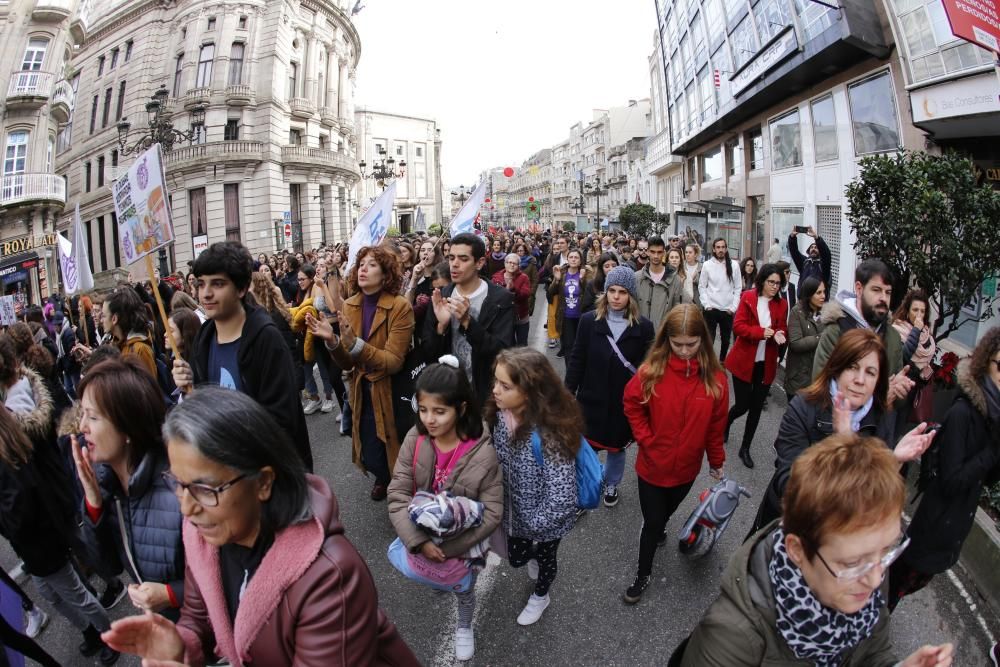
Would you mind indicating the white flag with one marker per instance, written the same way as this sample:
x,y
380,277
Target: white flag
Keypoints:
x,y
464,221
373,225
421,224
77,276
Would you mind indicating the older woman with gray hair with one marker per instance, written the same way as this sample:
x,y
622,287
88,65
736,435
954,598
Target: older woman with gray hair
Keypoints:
x,y
264,537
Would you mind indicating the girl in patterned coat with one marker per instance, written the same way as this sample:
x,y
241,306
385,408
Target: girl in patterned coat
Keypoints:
x,y
529,402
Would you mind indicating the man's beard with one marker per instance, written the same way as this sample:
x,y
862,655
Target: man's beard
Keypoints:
x,y
871,316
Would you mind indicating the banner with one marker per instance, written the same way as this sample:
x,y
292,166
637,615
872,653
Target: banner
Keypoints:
x,y
8,314
421,223
144,223
74,260
373,225
464,220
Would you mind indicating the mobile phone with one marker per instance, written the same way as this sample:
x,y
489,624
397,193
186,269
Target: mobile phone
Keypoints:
x,y
801,229
932,426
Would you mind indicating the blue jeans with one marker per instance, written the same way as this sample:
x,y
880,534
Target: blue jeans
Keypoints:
x,y
614,468
324,375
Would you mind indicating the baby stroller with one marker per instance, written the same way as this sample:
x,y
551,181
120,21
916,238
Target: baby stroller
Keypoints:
x,y
709,520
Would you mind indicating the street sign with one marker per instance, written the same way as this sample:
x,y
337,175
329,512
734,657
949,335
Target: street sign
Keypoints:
x,y
975,21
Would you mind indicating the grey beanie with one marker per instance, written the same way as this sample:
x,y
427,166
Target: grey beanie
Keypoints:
x,y
621,276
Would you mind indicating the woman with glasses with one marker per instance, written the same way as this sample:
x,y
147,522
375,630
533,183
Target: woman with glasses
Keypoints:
x,y
760,326
809,590
271,578
952,479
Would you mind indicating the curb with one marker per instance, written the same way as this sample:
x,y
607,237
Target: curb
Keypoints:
x,y
981,558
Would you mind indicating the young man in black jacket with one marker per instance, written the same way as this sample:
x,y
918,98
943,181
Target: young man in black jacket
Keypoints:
x,y
239,347
472,318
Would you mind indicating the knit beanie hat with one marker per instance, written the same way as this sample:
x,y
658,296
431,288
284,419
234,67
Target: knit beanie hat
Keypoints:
x,y
621,276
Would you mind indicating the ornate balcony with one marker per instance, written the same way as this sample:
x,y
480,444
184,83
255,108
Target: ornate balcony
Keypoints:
x,y
80,23
311,158
61,106
346,125
201,155
29,89
328,116
197,96
239,95
19,189
302,108
51,10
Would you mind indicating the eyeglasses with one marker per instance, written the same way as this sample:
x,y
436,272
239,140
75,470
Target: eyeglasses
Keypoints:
x,y
203,494
855,573
775,283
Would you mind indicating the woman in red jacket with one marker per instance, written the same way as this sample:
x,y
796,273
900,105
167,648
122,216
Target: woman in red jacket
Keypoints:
x,y
517,281
675,404
760,327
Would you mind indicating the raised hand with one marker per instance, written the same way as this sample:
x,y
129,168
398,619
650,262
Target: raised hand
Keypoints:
x,y
182,374
912,445
320,328
900,384
347,335
841,415
442,310
85,472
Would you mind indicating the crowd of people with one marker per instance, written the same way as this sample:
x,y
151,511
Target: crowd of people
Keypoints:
x,y
186,467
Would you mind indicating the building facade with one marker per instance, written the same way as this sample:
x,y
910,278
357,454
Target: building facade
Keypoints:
x,y
529,192
415,141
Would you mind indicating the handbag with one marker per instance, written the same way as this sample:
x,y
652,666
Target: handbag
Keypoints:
x,y
404,384
621,357
453,574
923,403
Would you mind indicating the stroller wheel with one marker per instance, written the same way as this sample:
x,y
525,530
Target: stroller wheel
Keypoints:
x,y
699,541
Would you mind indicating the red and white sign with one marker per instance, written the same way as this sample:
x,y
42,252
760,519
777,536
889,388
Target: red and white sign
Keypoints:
x,y
718,79
976,21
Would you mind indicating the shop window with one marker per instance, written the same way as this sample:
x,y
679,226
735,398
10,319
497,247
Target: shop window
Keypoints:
x,y
824,122
786,141
873,115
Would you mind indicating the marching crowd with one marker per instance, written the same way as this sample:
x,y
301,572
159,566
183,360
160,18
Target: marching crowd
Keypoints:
x,y
178,455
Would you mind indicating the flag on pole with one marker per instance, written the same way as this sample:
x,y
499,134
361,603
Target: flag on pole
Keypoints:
x,y
373,225
420,225
73,259
464,219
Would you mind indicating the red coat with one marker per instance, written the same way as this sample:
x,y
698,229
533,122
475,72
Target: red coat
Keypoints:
x,y
679,424
521,289
747,333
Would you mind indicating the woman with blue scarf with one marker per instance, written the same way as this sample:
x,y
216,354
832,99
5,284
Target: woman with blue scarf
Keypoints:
x,y
850,395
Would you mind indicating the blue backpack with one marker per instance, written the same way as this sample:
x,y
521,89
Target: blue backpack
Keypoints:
x,y
589,473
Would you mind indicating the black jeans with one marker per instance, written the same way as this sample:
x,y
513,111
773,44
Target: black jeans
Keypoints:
x,y
521,333
724,321
568,335
520,550
658,503
750,397
373,454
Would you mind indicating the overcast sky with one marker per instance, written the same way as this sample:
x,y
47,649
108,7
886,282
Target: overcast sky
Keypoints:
x,y
505,78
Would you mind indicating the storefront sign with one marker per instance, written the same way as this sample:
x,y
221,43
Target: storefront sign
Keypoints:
x,y
976,21
26,243
964,97
783,46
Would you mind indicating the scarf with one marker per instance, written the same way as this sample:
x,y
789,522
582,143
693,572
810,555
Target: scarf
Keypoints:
x,y
856,415
617,322
525,261
499,256
812,631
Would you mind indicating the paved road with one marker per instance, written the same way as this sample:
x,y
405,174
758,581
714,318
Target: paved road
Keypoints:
x,y
586,624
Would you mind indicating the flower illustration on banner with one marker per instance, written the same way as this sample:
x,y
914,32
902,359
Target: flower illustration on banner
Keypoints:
x,y
142,174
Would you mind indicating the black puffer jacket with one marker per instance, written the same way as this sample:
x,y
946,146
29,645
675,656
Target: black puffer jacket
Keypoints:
x,y
965,456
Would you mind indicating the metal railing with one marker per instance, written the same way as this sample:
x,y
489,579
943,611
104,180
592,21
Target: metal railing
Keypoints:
x,y
21,188
29,84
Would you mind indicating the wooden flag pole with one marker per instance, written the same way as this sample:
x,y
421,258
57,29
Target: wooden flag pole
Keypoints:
x,y
159,303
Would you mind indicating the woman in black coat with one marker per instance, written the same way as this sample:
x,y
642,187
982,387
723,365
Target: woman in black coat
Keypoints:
x,y
954,472
597,376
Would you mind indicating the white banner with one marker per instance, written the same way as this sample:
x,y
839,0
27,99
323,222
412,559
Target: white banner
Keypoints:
x,y
74,260
464,220
144,223
373,225
8,315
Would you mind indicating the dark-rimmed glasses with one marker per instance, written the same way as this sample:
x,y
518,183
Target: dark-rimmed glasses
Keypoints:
x,y
203,494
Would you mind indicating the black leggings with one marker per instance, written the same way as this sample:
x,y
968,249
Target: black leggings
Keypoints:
x,y
724,321
373,450
658,503
568,335
520,550
750,397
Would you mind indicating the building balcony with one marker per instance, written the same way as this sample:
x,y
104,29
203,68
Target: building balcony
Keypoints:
x,y
52,10
328,116
310,158
239,95
196,97
79,25
346,125
200,155
302,108
29,90
63,97
20,189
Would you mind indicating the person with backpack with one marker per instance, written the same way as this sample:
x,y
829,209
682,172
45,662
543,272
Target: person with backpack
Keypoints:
x,y
448,452
964,458
677,405
535,423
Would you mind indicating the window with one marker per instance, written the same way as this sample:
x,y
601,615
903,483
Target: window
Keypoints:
x,y
231,199
694,110
242,25
419,151
198,212
114,60
114,158
814,18
90,246
178,72
293,80
873,115
755,139
294,137
119,110
114,239
786,141
211,23
772,17
86,177
205,58
698,39
743,42
927,34
735,9
782,222
49,151
102,245
824,129
100,66
200,135
236,64
715,22
232,131
734,157
128,50
399,150
16,154
691,173
106,116
711,164
707,87
100,171
93,113
34,54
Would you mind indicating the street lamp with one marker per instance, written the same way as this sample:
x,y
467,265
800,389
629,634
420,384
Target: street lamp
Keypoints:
x,y
383,169
595,189
160,129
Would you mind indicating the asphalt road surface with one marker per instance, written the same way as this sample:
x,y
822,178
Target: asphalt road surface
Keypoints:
x,y
586,623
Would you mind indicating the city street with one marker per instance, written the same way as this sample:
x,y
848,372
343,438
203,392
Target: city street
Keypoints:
x,y
587,623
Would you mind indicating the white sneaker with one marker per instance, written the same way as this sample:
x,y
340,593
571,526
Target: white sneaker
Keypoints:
x,y
465,644
311,406
327,405
533,610
37,620
340,417
533,569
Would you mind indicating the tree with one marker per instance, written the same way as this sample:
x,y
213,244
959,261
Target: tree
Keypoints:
x,y
637,219
934,225
434,230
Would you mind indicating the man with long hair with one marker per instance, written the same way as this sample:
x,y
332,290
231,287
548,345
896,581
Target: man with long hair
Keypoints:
x,y
720,286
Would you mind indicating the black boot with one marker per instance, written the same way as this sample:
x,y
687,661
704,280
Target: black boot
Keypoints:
x,y
91,642
745,456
